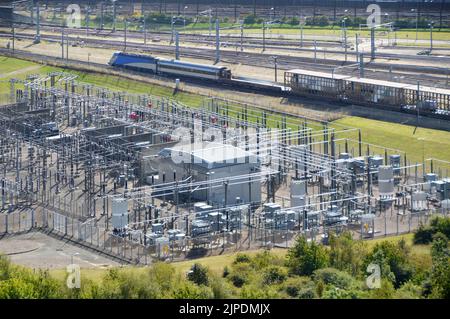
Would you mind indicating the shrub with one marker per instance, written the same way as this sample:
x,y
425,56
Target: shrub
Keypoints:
x,y
423,235
393,261
294,285
238,280
274,275
198,274
304,258
334,277
242,258
347,254
250,19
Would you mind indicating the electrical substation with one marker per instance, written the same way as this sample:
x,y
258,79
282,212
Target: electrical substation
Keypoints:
x,y
142,178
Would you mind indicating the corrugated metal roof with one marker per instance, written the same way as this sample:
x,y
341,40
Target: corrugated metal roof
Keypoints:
x,y
213,155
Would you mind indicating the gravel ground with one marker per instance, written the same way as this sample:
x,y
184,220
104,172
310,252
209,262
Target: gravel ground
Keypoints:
x,y
37,250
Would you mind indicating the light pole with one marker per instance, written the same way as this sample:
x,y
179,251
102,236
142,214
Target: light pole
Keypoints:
x,y
431,35
114,15
184,17
276,66
345,37
71,257
417,21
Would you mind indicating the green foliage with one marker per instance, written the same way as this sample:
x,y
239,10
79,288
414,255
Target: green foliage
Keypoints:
x,y
333,277
337,293
237,279
187,290
408,290
299,287
226,272
274,275
320,21
304,258
423,235
347,254
440,271
386,291
250,19
198,274
393,261
242,258
294,21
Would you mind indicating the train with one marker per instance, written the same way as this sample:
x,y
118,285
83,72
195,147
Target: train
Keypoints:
x,y
350,89
156,65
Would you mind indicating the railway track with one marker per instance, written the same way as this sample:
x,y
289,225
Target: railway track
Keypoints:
x,y
431,76
269,88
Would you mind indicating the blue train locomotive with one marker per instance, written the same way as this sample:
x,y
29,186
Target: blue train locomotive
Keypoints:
x,y
150,64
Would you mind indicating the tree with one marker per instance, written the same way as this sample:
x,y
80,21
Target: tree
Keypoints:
x,y
250,19
347,254
198,274
304,258
393,261
440,270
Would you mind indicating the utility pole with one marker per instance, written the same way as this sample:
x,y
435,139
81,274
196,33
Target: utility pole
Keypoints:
x,y
361,65
62,43
88,10
114,15
301,35
431,35
264,35
125,35
357,46
37,38
171,30
101,16
14,36
210,21
315,51
217,42
345,38
242,37
145,31
372,43
275,64
177,46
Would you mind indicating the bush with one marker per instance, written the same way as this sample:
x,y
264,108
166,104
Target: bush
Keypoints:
x,y
334,277
294,285
250,19
294,21
242,258
393,261
226,272
423,235
198,275
304,258
347,254
274,275
238,280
